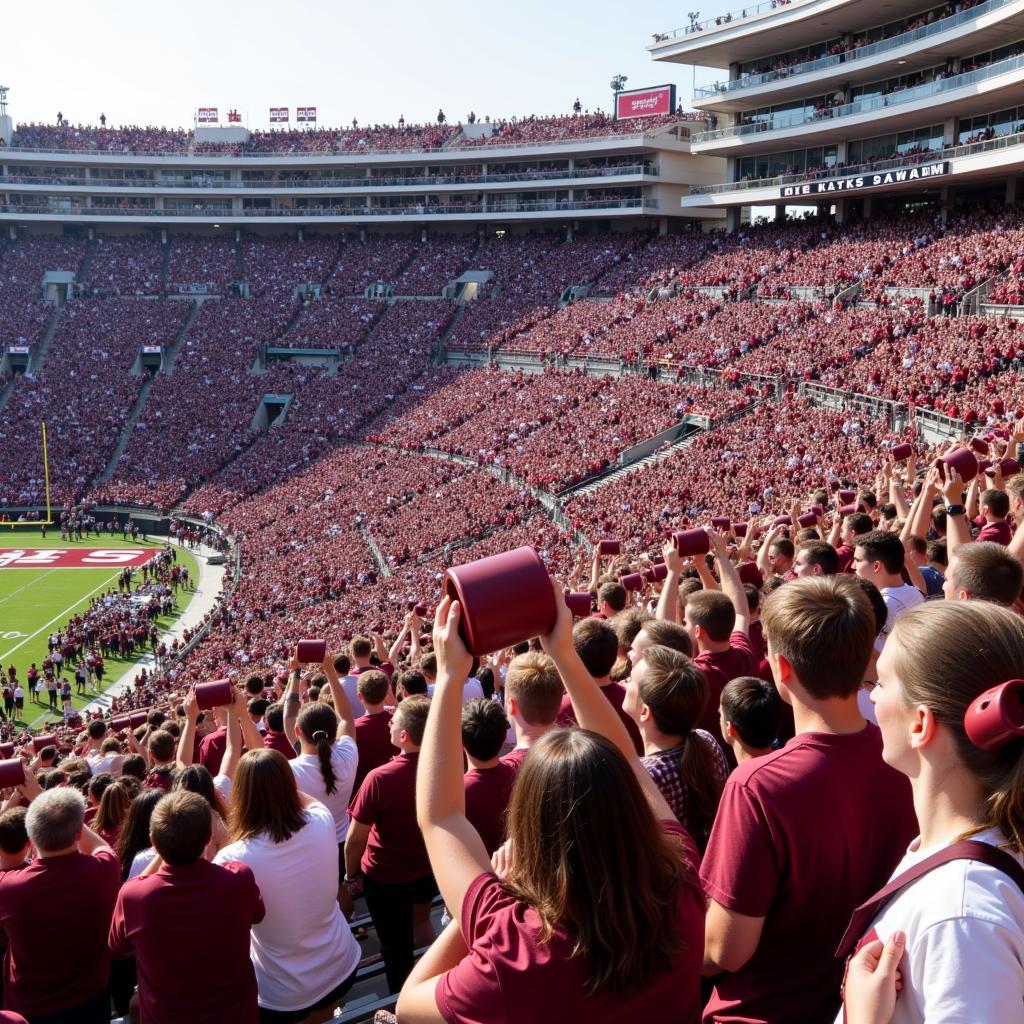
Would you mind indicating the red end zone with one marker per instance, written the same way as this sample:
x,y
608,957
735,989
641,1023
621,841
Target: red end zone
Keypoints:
x,y
74,558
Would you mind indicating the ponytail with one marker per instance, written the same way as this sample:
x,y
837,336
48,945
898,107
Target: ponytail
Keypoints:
x,y
699,770
318,724
1006,801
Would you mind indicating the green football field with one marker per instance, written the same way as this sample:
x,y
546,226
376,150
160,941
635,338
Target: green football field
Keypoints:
x,y
37,599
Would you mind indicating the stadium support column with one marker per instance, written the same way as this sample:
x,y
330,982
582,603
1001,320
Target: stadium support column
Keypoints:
x,y
780,212
732,219
1011,191
866,207
840,211
945,202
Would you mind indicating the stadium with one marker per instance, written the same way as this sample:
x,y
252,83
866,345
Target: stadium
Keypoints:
x,y
735,365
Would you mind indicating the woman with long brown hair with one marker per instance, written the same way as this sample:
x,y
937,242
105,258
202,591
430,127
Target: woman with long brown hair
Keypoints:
x,y
595,910
666,694
303,951
948,930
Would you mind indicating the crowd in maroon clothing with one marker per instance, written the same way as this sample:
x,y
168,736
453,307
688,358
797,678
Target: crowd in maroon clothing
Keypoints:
x,y
126,139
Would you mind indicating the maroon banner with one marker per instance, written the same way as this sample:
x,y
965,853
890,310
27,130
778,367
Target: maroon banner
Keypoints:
x,y
74,558
234,117
652,102
278,115
207,115
305,113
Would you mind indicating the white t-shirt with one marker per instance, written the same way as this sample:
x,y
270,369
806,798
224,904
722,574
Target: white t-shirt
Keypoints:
x,y
309,778
471,690
110,762
141,861
964,923
350,684
898,600
303,948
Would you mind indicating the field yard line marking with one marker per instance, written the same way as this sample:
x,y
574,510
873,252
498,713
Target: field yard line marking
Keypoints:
x,y
59,615
31,583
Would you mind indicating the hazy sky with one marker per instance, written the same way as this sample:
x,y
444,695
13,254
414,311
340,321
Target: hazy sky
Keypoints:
x,y
145,63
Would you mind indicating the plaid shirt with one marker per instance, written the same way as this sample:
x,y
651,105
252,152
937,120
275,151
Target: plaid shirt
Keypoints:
x,y
663,768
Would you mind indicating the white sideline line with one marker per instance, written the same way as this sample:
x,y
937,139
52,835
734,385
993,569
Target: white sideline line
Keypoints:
x,y
31,583
58,616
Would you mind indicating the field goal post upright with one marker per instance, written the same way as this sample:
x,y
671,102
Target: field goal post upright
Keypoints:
x,y
46,479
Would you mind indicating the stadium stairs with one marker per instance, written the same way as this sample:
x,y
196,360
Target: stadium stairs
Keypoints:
x,y
40,350
171,355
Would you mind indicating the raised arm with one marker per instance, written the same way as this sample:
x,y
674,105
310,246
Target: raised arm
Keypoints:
x,y
457,853
957,529
399,645
187,743
342,705
732,585
764,552
233,735
668,600
292,698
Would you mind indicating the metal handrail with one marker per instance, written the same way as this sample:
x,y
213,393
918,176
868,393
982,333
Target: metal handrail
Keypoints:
x,y
948,153
848,57
482,148
723,19
86,184
556,206
864,106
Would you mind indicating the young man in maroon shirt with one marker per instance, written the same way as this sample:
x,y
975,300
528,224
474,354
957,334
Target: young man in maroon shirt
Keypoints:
x,y
598,647
75,877
211,749
489,780
805,834
373,730
384,844
533,699
163,749
183,888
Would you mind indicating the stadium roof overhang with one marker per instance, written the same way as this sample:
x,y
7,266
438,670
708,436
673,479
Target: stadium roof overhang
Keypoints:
x,y
777,30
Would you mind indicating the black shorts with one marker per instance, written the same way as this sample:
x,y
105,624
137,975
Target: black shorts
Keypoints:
x,y
294,1016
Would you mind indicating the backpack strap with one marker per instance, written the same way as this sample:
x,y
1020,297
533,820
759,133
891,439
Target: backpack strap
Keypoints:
x,y
966,849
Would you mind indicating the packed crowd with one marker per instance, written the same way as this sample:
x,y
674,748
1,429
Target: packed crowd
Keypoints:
x,y
90,138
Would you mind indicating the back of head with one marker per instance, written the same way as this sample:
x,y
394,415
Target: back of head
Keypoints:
x,y
115,804
947,653
318,724
135,831
254,685
612,594
597,645
372,686
134,765
821,554
578,818
274,717
713,612
662,633
196,778
987,572
627,624
428,665
484,728
534,683
858,523
825,628
180,827
97,729
885,547
264,798
412,682
13,833
754,708
675,690
411,715
162,745
55,818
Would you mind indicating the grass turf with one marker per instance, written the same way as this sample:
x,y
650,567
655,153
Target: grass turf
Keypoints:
x,y
34,602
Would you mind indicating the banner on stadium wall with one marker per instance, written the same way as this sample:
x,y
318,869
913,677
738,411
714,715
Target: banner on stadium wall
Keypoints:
x,y
858,182
278,115
305,114
18,350
650,102
207,115
152,350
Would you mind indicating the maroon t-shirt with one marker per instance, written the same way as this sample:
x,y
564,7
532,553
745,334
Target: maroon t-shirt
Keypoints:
x,y
487,795
999,532
160,778
514,758
279,742
758,644
802,837
153,914
509,976
721,667
845,553
395,852
72,887
616,694
373,740
211,750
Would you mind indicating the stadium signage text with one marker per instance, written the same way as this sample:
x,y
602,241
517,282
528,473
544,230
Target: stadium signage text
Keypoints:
x,y
207,115
73,558
305,113
862,181
659,99
278,115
